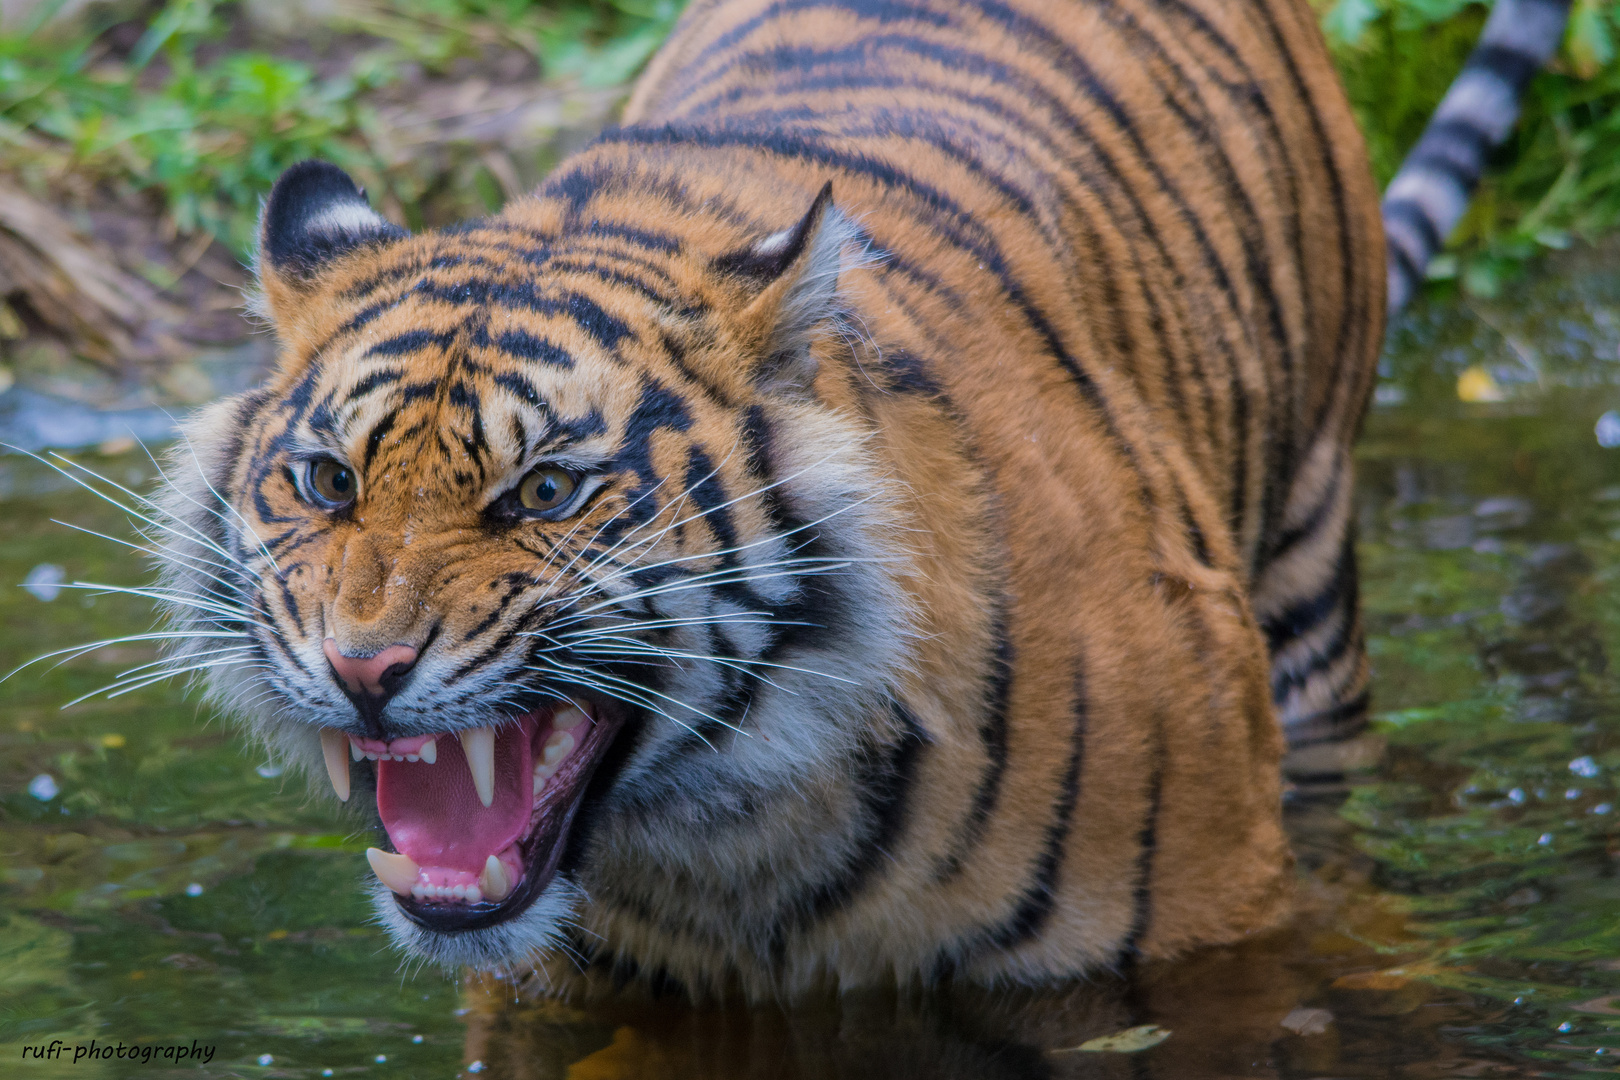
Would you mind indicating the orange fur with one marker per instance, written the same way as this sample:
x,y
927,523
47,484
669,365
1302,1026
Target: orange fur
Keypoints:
x,y
1075,356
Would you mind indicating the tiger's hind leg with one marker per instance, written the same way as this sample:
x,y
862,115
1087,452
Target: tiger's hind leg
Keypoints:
x,y
1306,599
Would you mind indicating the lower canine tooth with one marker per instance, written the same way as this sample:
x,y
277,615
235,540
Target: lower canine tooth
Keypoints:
x,y
479,746
398,872
429,752
337,769
493,883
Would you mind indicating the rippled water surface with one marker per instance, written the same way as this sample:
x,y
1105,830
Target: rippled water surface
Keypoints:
x,y
1460,906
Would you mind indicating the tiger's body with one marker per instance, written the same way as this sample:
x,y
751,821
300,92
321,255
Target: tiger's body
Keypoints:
x,y
952,550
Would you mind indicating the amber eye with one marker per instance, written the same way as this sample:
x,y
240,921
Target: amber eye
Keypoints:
x,y
546,489
333,483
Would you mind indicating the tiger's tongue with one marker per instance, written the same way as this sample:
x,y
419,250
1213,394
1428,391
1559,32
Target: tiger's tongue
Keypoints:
x,y
433,814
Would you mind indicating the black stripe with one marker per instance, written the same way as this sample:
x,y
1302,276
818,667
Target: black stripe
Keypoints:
x,y
707,493
1460,138
654,241
1318,516
883,11
374,440
993,736
1412,214
802,148
883,788
1426,159
409,342
1406,266
1508,63
1335,647
1343,721
1035,906
1353,319
1307,614
1147,842
908,373
525,346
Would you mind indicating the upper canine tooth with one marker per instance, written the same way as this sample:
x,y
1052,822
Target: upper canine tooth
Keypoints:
x,y
479,746
494,882
398,872
568,717
337,769
429,752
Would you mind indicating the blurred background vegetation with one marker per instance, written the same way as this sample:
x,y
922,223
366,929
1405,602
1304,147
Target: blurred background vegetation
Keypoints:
x,y
1557,179
138,136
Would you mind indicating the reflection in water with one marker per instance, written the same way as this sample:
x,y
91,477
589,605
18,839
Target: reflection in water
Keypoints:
x,y
1333,977
1459,902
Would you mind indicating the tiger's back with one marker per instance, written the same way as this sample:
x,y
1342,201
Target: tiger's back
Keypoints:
x,y
984,519
1130,261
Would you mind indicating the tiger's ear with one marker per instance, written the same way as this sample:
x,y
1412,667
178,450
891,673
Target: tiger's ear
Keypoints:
x,y
794,277
314,214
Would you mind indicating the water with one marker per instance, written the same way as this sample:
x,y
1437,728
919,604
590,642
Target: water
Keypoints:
x,y
1459,908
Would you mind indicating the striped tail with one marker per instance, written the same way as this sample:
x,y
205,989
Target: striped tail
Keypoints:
x,y
1430,192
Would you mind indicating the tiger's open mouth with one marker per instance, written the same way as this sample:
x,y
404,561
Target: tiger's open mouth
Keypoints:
x,y
478,819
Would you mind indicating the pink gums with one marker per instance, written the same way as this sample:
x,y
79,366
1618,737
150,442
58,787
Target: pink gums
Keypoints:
x,y
433,813
399,747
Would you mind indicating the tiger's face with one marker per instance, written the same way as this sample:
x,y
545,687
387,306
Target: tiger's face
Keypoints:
x,y
546,540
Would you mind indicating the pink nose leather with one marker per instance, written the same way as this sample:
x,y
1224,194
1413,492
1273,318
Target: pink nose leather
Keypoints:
x,y
363,674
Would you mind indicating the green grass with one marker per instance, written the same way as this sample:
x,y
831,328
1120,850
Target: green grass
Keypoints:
x,y
200,130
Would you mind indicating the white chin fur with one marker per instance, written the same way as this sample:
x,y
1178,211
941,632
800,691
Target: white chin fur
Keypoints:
x,y
512,947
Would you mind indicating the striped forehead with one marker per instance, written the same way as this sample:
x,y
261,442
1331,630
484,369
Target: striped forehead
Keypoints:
x,y
512,369
492,393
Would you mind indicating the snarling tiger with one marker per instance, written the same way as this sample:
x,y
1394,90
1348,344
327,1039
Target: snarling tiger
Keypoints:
x,y
873,516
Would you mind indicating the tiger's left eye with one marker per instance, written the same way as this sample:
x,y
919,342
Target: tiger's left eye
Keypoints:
x,y
333,483
546,489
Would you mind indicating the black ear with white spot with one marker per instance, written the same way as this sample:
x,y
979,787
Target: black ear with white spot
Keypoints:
x,y
314,214
797,272
768,259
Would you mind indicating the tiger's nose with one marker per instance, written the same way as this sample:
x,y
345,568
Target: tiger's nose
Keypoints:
x,y
370,676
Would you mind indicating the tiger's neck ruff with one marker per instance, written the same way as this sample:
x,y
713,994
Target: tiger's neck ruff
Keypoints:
x,y
831,530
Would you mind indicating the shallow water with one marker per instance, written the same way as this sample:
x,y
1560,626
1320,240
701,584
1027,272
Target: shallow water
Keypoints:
x,y
1460,907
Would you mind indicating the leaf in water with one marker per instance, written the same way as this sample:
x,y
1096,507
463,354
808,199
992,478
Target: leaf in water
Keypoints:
x,y
1608,1005
1475,385
1371,980
629,1055
1129,1041
1308,1021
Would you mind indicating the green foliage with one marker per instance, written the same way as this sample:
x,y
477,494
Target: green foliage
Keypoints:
x,y
1559,175
206,131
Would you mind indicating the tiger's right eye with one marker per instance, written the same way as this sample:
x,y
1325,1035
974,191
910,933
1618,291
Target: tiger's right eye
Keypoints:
x,y
546,489
333,483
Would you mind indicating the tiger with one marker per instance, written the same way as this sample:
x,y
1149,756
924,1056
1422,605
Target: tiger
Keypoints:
x,y
877,515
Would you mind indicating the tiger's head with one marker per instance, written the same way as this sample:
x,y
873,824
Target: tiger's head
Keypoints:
x,y
553,537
